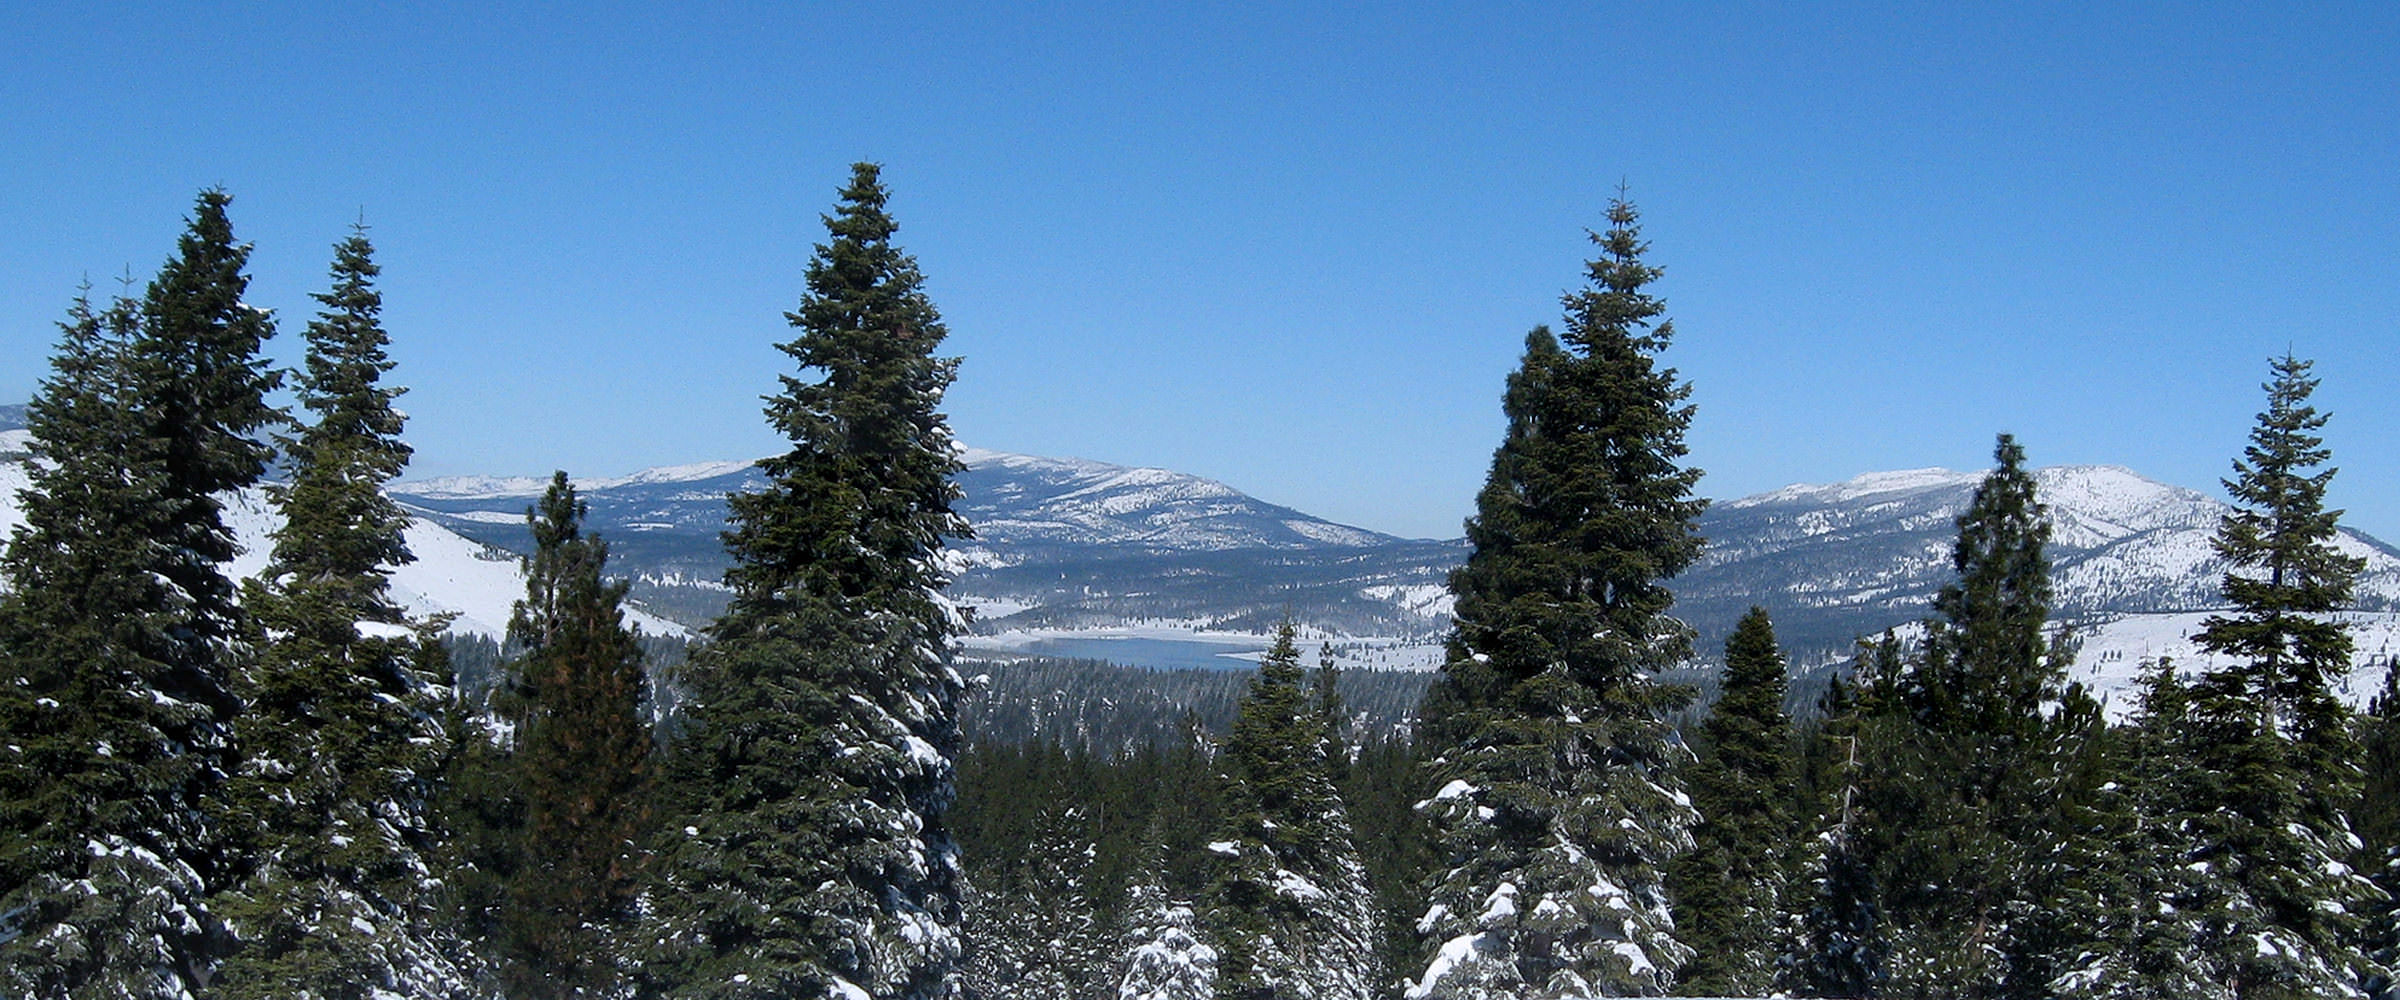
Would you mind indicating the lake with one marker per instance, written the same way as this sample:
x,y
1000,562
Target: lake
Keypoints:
x,y
1154,654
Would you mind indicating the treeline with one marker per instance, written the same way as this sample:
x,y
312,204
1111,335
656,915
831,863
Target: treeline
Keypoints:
x,y
1108,709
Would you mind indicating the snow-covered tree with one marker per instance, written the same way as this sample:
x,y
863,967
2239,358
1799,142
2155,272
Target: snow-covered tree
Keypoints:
x,y
1289,910
1557,804
328,810
1164,956
119,631
100,888
812,856
1034,934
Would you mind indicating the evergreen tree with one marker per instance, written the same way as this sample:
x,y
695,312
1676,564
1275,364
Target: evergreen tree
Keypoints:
x,y
584,755
202,389
1838,947
1164,958
120,628
2118,923
1557,804
2281,910
329,807
100,889
1729,889
2376,820
1035,935
1957,804
817,760
1290,910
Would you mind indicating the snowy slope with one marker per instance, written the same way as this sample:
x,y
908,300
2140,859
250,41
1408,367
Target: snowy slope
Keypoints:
x,y
452,574
1833,561
2114,650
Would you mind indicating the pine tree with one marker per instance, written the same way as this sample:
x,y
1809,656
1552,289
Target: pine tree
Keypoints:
x,y
2376,820
584,757
1557,803
202,388
100,895
2118,922
2281,910
1729,889
1036,934
120,631
1838,946
1290,910
329,806
1957,806
1164,957
823,712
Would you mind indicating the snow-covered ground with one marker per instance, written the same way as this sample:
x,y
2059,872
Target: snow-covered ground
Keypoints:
x,y
451,573
2114,652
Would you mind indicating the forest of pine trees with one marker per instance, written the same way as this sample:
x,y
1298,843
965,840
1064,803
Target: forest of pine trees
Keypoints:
x,y
288,787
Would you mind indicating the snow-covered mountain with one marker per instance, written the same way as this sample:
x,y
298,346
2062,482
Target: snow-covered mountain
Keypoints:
x,y
452,574
1067,543
1058,543
1831,562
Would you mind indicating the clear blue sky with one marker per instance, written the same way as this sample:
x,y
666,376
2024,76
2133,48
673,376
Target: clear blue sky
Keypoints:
x,y
1295,250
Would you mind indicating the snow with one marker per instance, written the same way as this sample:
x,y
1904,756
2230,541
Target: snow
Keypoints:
x,y
1860,487
1501,905
510,487
1455,952
2115,650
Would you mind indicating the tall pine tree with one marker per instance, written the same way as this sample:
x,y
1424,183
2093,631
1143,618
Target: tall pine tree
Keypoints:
x,y
100,889
329,806
2280,910
202,386
822,726
583,757
1556,800
120,630
1956,800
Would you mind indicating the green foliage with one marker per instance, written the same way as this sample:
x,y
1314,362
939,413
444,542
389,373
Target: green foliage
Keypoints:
x,y
201,390
1729,888
2280,911
815,770
1289,908
118,631
1556,775
1956,805
91,761
329,803
583,760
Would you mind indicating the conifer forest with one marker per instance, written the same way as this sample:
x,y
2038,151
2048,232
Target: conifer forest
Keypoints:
x,y
288,786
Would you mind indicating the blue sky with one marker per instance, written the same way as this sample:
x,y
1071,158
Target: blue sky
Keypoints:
x,y
1293,250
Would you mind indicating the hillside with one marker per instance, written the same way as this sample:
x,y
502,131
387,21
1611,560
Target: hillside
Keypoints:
x,y
452,574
